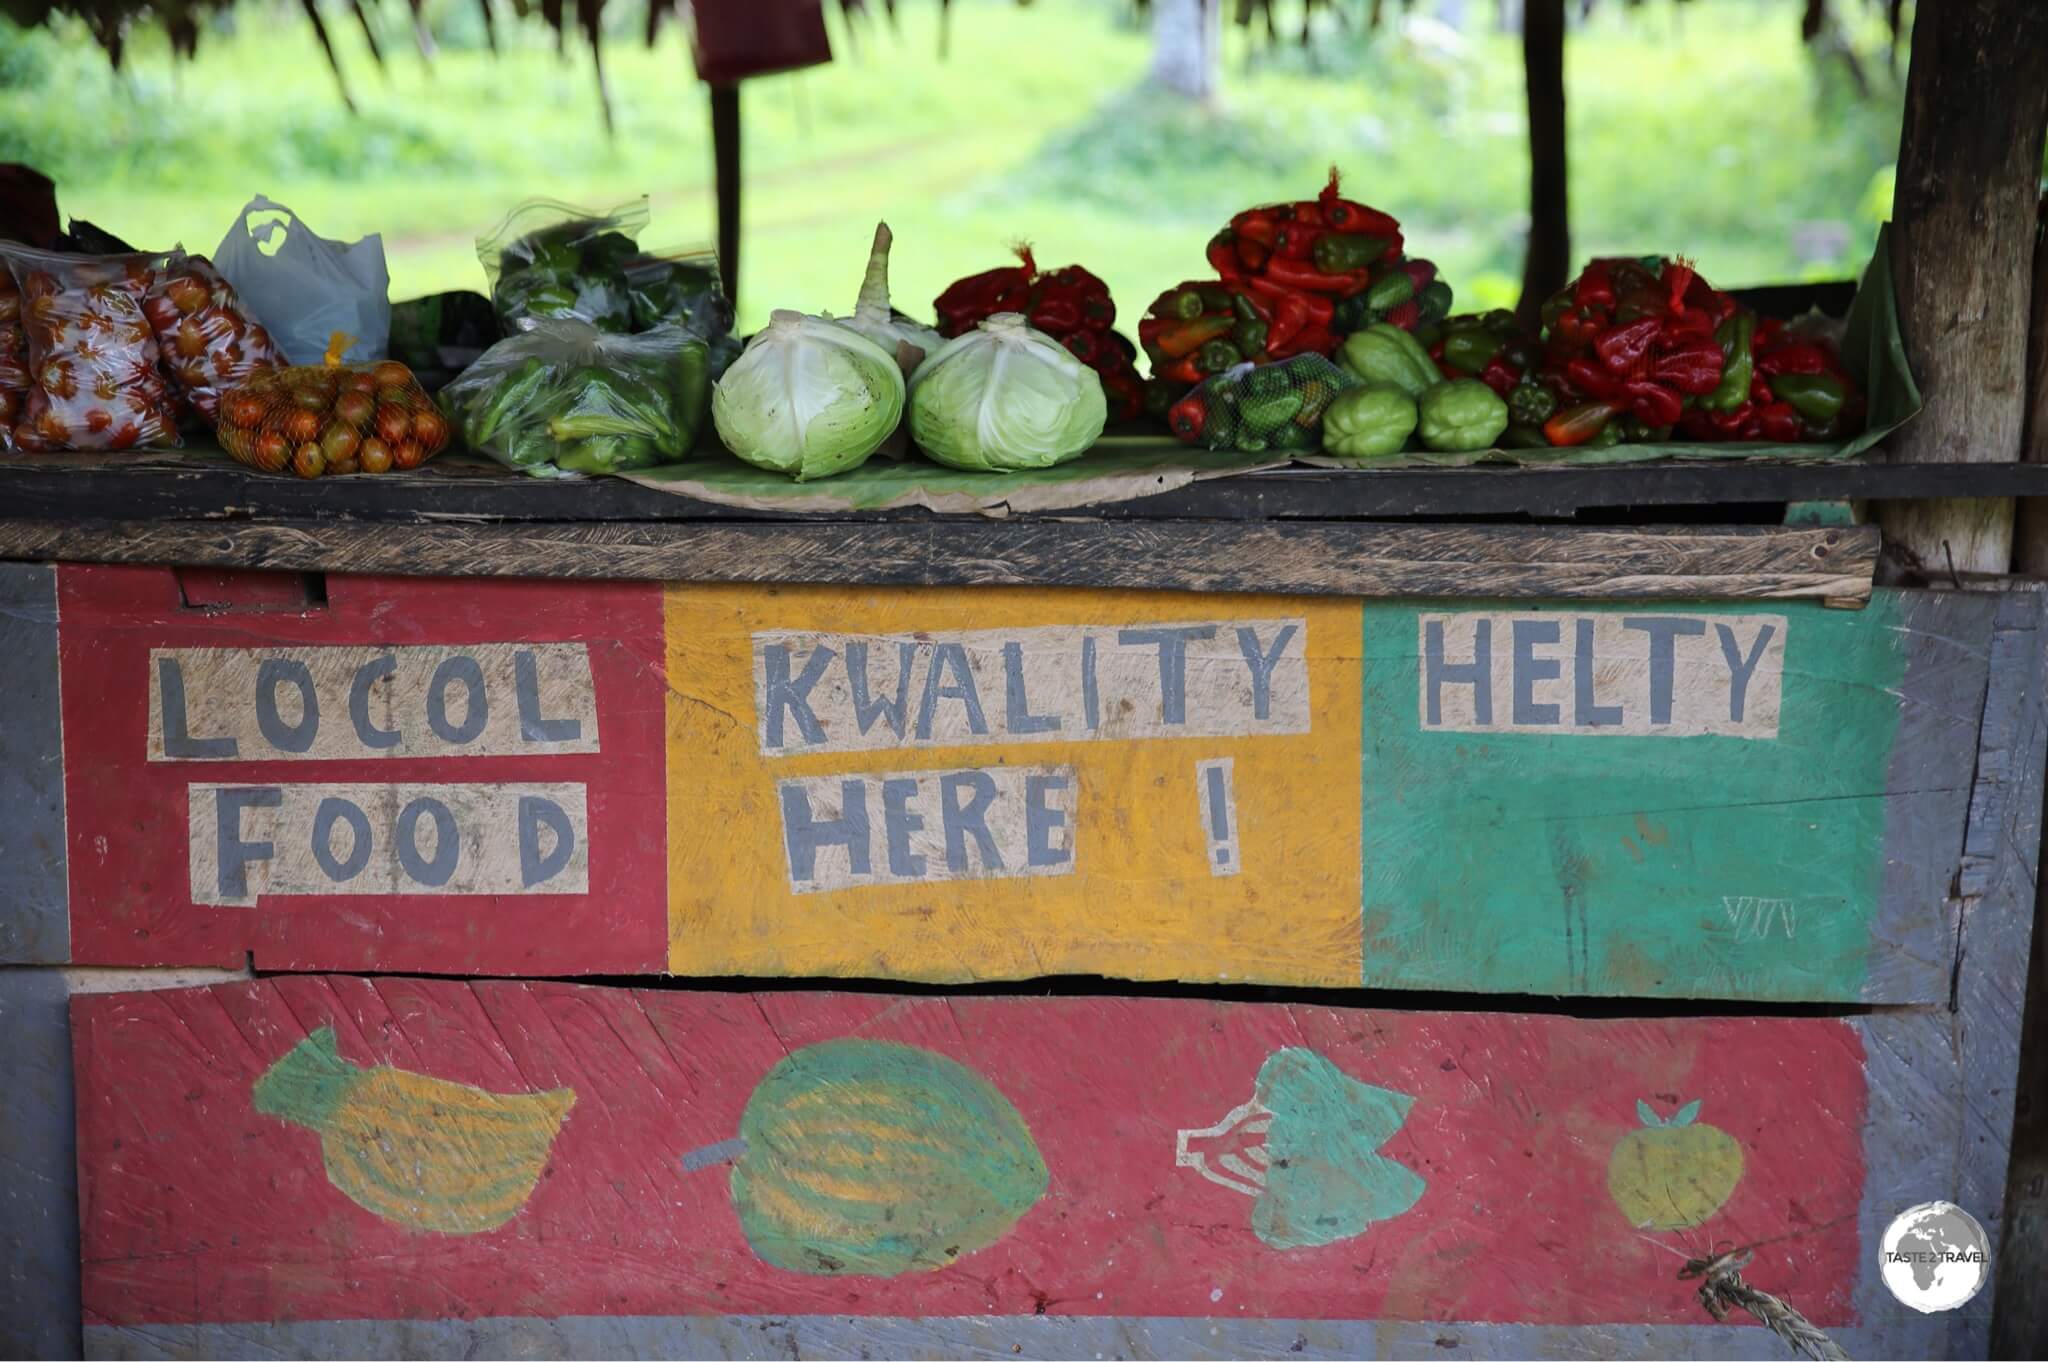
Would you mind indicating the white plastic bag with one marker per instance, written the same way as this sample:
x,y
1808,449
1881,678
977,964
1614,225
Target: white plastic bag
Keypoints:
x,y
304,287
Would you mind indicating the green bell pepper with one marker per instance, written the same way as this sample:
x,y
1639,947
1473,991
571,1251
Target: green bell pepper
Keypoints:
x,y
1261,414
1531,404
1342,252
1738,362
1461,416
1369,422
1818,398
1470,348
1383,353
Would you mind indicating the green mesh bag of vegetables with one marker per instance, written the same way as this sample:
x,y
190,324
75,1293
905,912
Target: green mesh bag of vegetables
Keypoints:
x,y
1258,407
565,399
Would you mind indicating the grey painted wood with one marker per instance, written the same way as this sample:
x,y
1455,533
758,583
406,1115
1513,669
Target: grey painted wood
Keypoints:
x,y
39,1300
1517,561
34,921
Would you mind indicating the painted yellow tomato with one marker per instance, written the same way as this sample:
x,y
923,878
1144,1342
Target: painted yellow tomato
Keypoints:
x,y
1672,1175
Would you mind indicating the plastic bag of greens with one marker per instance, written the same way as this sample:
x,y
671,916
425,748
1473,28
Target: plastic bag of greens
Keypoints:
x,y
564,398
680,286
549,260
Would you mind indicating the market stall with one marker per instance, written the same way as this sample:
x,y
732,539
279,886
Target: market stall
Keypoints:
x,y
1335,826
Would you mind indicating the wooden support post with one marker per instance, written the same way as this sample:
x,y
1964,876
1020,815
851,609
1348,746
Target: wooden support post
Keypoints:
x,y
1962,248
1547,263
2031,554
725,160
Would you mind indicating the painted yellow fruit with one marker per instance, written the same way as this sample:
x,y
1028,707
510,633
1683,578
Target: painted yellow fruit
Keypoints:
x,y
420,1151
1672,1175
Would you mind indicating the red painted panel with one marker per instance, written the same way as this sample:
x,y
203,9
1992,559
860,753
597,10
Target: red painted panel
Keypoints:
x,y
127,817
197,1207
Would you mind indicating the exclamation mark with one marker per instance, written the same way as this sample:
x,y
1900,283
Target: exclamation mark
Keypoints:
x,y
1219,813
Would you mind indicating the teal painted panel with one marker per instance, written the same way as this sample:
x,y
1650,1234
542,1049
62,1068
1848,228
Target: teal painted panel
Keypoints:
x,y
1659,823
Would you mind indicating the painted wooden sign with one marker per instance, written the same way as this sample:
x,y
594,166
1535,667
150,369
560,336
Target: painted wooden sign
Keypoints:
x,y
421,1150
502,777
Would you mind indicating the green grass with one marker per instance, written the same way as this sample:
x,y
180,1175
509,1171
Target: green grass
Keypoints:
x,y
1704,129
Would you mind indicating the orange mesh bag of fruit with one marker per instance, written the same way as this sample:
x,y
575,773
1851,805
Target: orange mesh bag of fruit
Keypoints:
x,y
326,418
93,380
210,342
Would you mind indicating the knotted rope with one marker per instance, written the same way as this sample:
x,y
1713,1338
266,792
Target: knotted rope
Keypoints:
x,y
1722,1289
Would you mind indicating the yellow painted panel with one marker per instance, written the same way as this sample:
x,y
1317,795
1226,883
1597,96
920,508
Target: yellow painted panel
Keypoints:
x,y
1132,895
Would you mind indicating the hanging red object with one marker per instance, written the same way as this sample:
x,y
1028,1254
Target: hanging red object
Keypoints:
x,y
734,39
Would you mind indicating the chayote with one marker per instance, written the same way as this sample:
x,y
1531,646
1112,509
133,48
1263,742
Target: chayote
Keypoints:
x,y
1461,416
1384,353
1369,422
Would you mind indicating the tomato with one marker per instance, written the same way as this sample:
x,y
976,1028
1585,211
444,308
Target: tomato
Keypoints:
x,y
397,395
391,373
374,455
309,462
430,428
408,454
312,399
339,442
271,451
356,408
393,424
242,408
302,427
187,294
338,466
359,381
190,339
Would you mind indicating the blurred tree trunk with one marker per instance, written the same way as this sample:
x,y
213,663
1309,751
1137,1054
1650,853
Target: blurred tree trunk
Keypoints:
x,y
1962,253
1547,263
1187,46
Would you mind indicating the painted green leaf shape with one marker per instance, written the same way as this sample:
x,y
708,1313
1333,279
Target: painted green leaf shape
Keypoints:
x,y
1326,1180
873,1158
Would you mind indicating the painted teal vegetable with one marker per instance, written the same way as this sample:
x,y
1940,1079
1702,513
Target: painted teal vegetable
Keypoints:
x,y
1326,1179
1369,422
1462,416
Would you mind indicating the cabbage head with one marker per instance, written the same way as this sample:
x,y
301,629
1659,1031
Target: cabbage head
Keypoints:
x,y
808,398
1004,396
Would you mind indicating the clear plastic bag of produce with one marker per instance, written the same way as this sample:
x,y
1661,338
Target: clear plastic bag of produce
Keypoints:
x,y
332,418
93,382
13,358
1256,407
208,340
551,261
565,398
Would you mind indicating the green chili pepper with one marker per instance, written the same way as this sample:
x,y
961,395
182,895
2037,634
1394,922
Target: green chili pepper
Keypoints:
x,y
1523,435
1342,252
1818,398
1263,414
1433,303
1737,362
1295,436
1469,348
1267,380
1216,356
1606,437
1531,404
1389,292
509,398
1350,314
1184,304
1249,338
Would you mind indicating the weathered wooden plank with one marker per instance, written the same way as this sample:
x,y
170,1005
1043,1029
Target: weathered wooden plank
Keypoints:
x,y
1510,561
33,924
654,1171
1740,800
162,487
39,1308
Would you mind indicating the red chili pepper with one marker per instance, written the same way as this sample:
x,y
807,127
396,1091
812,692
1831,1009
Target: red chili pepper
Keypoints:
x,y
1423,272
1595,287
1576,425
1056,316
1185,338
1256,225
1500,376
1623,349
1295,274
1081,345
1347,216
1405,316
1586,377
1320,308
1222,253
1694,369
1250,254
1296,240
1182,370
1653,403
1290,314
1780,423
1186,417
1793,357
1311,339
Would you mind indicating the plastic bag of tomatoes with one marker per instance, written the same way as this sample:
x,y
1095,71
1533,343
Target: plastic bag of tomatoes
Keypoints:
x,y
13,358
332,418
210,342
93,380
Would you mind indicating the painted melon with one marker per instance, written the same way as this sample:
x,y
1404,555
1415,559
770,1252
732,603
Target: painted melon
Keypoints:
x,y
873,1158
